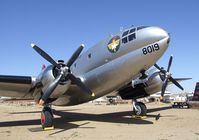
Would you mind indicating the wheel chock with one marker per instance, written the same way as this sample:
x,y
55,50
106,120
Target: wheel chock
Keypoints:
x,y
138,117
48,128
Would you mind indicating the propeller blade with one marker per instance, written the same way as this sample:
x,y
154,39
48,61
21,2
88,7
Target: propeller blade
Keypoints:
x,y
161,70
164,86
176,83
45,55
79,83
165,76
51,88
75,56
157,67
169,64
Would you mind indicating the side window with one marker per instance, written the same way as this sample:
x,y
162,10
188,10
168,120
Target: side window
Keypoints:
x,y
124,40
132,37
89,55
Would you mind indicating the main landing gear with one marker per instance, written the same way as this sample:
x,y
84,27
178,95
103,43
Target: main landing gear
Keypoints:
x,y
139,108
47,118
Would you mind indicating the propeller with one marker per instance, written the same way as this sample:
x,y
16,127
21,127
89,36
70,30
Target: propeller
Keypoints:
x,y
64,73
166,77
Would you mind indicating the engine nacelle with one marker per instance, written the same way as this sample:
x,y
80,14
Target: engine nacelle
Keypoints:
x,y
47,77
142,87
154,84
133,92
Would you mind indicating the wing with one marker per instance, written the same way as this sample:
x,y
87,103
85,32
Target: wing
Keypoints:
x,y
182,79
16,86
179,80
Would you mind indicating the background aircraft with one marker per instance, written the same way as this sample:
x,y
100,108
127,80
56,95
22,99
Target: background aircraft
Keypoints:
x,y
119,63
196,93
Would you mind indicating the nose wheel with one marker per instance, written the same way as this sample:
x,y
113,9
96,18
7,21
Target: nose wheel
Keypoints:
x,y
139,108
47,118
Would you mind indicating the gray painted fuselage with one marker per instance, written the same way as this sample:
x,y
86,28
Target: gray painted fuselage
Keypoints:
x,y
104,71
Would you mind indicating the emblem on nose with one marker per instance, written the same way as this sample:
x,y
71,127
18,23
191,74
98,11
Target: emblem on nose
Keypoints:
x,y
114,44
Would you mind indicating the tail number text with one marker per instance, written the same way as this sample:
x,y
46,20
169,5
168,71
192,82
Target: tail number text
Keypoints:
x,y
152,48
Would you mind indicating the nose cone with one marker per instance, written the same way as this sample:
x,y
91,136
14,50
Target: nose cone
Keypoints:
x,y
157,33
150,35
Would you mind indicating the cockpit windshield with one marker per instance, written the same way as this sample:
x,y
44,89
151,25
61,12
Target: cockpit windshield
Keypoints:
x,y
141,27
125,33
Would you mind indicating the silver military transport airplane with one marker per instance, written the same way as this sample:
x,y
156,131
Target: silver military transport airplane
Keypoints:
x,y
119,63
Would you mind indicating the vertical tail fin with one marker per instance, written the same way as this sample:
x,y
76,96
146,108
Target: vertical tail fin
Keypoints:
x,y
196,93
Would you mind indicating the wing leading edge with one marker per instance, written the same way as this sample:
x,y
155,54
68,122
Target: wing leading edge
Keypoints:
x,y
16,86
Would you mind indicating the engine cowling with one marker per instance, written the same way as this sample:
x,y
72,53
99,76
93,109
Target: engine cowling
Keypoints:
x,y
48,76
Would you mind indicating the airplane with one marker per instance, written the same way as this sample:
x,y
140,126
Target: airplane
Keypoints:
x,y
196,93
119,63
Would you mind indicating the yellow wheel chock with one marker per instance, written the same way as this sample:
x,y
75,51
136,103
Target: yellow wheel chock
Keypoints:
x,y
138,117
48,128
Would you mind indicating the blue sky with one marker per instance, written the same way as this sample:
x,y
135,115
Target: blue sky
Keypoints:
x,y
59,27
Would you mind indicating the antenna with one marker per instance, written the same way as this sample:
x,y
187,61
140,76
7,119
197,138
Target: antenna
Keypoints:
x,y
121,28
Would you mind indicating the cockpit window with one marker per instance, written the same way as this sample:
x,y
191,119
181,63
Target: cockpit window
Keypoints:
x,y
132,30
124,40
125,33
132,37
141,27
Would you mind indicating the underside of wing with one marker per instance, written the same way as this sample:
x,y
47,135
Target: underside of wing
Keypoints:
x,y
16,86
73,96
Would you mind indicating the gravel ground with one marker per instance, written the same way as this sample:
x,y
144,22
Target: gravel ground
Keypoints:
x,y
21,120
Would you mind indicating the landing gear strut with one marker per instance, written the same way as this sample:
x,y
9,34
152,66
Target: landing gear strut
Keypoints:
x,y
139,108
47,118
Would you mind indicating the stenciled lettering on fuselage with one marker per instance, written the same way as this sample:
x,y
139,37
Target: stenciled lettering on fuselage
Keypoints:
x,y
151,48
114,44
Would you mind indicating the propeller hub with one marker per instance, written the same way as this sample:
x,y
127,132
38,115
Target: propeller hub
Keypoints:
x,y
168,75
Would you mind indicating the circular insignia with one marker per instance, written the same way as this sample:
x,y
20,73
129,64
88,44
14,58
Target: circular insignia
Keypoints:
x,y
114,44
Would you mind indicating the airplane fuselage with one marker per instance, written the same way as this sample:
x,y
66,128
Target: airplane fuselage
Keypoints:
x,y
114,62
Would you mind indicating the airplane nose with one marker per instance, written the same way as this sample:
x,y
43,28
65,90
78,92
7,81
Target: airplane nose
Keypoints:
x,y
150,35
158,33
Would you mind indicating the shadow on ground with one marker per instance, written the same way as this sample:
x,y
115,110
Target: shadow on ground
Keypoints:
x,y
65,120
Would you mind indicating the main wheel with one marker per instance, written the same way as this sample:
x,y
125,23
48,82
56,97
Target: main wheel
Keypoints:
x,y
46,118
112,101
141,109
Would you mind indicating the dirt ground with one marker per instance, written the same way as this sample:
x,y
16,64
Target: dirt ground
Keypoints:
x,y
97,122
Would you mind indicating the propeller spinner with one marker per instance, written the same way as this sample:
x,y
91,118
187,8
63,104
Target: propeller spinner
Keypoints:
x,y
63,73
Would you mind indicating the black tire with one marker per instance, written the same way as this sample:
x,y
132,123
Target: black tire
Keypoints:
x,y
142,110
112,101
46,118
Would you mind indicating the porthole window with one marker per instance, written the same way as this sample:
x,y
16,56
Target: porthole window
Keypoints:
x,y
89,55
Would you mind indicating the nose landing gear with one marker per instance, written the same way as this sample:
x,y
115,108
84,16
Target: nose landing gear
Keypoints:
x,y
47,118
